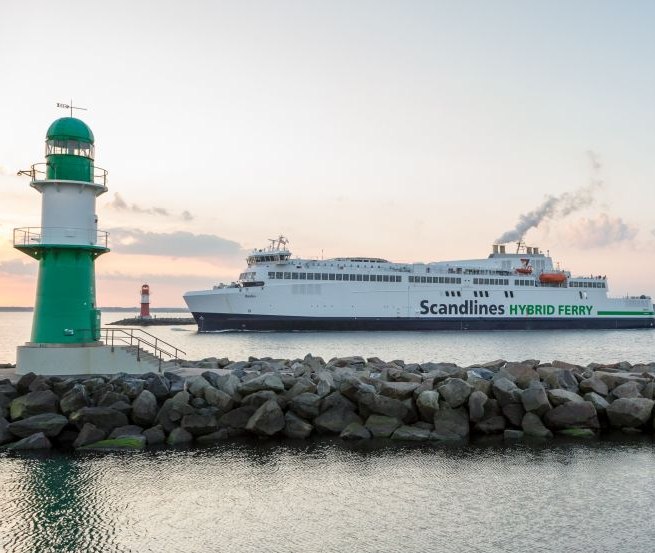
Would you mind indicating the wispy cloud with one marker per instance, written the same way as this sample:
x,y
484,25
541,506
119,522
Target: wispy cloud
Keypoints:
x,y
602,231
119,204
172,244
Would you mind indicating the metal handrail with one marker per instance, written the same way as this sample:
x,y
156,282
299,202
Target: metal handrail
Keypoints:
x,y
37,174
30,236
138,337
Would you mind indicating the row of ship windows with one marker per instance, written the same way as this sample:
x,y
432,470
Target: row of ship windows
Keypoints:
x,y
435,280
334,276
492,281
587,284
525,283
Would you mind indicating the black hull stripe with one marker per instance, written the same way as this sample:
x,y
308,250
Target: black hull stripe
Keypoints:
x,y
209,322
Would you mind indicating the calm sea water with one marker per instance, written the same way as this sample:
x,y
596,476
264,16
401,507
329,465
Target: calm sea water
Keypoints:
x,y
465,348
327,497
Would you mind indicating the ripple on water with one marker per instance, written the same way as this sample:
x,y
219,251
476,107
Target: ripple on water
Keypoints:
x,y
245,497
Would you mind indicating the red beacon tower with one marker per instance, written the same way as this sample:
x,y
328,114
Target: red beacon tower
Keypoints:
x,y
145,302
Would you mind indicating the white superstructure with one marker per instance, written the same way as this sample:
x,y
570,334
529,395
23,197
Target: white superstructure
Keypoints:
x,y
521,290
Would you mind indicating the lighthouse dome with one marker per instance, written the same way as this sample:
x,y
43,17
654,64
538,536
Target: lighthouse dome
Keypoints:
x,y
70,128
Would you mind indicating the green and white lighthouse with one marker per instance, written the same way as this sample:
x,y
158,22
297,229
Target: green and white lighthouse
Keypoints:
x,y
66,333
68,241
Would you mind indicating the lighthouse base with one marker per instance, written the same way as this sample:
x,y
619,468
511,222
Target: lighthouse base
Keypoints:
x,y
84,359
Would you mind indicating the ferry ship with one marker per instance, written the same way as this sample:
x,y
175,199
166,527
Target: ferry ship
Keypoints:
x,y
520,290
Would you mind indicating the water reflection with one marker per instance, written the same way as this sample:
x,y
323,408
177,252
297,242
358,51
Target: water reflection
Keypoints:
x,y
328,496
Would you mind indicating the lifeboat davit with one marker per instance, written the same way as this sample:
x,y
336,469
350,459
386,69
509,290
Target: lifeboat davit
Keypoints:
x,y
552,278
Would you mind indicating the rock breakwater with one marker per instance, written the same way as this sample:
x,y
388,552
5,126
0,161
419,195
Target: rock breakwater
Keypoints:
x,y
352,397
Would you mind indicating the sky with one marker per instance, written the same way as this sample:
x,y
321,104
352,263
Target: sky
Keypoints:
x,y
412,131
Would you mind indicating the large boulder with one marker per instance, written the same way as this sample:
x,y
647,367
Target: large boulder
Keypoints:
x,y
179,436
267,420
355,431
407,433
104,418
572,414
336,399
398,390
34,441
477,401
158,385
34,403
599,402
450,424
237,419
513,412
505,391
383,405
307,405
455,392
144,409
50,424
257,399
535,399
198,424
560,397
533,426
491,425
5,435
301,386
109,398
627,390
558,378
522,374
196,386
295,427
88,435
630,412
129,430
132,387
155,435
219,399
268,381
594,384
76,398
381,426
335,420
427,403
228,383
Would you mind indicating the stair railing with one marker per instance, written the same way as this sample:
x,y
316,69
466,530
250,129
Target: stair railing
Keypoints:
x,y
137,337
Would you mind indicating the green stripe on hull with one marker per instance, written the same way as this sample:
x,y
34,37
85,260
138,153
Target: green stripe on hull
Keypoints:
x,y
626,313
65,310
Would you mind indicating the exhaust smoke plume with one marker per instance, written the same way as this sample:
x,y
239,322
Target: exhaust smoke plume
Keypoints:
x,y
557,206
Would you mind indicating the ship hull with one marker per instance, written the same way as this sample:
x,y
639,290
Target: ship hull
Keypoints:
x,y
213,322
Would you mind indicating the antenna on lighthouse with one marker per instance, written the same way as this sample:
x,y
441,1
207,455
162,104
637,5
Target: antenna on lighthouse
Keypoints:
x,y
70,107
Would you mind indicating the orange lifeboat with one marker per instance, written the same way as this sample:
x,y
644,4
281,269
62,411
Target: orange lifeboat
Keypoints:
x,y
552,278
525,268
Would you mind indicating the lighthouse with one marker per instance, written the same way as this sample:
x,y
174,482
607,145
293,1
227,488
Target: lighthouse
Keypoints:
x,y
68,241
66,332
145,302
